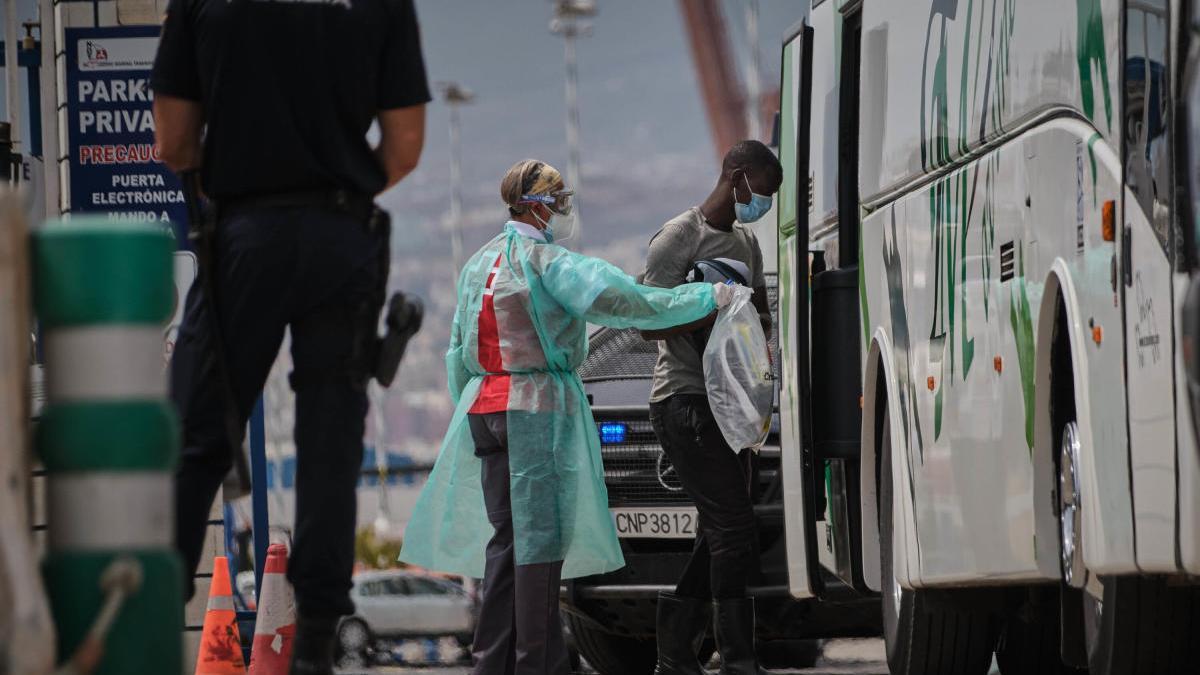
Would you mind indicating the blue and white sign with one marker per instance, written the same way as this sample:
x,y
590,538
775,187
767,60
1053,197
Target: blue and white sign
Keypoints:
x,y
114,165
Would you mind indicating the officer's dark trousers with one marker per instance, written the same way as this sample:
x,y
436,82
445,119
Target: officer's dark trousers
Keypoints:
x,y
718,481
320,274
519,630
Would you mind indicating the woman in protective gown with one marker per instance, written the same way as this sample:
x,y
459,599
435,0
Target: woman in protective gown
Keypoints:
x,y
517,495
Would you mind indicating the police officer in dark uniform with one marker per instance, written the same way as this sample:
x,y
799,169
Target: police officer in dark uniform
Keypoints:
x,y
270,102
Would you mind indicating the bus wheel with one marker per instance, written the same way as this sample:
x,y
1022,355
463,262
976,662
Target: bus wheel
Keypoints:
x,y
1069,511
1141,625
1131,624
1029,644
924,637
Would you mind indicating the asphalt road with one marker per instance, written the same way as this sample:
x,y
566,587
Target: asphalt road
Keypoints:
x,y
840,657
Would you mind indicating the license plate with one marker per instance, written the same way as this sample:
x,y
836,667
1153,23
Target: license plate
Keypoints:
x,y
652,523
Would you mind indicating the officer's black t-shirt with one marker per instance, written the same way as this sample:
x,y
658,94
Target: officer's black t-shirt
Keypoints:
x,y
290,88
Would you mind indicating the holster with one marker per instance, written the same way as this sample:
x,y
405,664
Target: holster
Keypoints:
x,y
402,322
403,315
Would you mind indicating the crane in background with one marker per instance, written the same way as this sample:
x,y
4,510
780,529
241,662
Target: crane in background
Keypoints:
x,y
733,114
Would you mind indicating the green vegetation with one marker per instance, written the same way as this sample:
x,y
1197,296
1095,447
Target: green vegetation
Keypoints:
x,y
375,553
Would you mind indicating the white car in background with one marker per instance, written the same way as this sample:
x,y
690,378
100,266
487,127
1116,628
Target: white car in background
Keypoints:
x,y
394,604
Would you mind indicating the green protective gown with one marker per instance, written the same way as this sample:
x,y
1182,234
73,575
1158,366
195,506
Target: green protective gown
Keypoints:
x,y
544,297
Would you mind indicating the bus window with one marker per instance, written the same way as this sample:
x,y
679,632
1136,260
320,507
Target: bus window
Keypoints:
x,y
1147,113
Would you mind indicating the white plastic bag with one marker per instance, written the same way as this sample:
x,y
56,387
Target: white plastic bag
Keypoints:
x,y
738,374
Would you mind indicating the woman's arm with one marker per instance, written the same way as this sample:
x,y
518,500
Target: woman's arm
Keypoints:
x,y
664,333
599,292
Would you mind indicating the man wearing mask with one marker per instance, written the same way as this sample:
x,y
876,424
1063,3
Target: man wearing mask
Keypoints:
x,y
270,104
716,477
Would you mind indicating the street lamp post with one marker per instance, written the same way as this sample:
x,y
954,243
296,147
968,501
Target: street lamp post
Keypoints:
x,y
753,81
379,396
455,96
570,21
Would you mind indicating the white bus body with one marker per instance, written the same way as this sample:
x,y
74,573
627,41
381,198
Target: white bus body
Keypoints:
x,y
1010,169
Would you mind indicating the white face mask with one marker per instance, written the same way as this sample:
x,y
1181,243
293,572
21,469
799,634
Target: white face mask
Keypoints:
x,y
559,229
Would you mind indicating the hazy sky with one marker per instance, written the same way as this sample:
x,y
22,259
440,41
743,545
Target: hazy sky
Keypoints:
x,y
646,148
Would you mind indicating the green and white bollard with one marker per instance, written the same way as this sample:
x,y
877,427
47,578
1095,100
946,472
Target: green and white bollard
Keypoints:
x,y
109,437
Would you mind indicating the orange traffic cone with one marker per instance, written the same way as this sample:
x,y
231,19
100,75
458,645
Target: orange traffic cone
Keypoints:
x,y
220,645
275,627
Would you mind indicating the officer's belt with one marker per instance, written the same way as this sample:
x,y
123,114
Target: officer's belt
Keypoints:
x,y
354,204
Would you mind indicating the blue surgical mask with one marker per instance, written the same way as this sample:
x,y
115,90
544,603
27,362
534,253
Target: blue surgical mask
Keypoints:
x,y
547,227
757,208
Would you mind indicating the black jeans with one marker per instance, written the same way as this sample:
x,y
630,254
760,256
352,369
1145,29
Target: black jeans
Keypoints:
x,y
519,630
322,274
718,481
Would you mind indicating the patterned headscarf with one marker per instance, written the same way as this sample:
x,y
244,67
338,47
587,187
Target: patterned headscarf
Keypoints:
x,y
527,177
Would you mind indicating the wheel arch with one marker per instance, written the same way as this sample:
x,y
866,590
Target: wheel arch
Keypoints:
x,y
1059,291
879,386
1045,472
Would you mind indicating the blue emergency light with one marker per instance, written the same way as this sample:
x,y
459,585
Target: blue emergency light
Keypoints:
x,y
612,432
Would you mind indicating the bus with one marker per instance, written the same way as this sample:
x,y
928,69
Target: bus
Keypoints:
x,y
985,251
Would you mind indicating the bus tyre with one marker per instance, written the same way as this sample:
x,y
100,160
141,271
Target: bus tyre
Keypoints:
x,y
1029,644
924,636
1142,625
609,653
1131,624
1070,511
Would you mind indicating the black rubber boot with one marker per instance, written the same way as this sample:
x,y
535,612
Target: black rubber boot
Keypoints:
x,y
682,623
312,651
734,628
